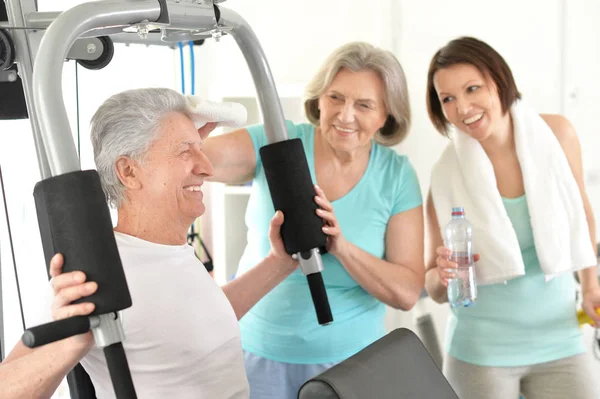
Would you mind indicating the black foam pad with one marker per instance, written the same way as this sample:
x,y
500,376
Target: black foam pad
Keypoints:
x,y
396,366
3,13
12,99
74,220
293,193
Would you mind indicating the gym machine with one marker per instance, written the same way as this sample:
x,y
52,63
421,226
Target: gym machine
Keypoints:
x,y
72,212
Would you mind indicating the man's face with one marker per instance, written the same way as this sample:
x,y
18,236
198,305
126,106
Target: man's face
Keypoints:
x,y
173,170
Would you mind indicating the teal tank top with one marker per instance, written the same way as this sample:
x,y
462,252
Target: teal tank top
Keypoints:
x,y
283,326
523,321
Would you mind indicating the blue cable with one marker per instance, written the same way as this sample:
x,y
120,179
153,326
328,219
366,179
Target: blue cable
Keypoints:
x,y
182,68
193,67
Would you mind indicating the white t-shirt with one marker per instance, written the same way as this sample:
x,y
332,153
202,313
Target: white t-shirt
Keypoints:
x,y
182,338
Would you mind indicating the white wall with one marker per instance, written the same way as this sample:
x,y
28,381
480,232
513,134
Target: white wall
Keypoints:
x,y
582,87
296,37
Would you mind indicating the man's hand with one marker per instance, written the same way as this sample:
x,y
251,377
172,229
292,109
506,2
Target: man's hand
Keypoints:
x,y
69,287
277,247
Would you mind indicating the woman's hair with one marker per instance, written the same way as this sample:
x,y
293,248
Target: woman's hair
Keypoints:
x,y
468,50
126,125
359,56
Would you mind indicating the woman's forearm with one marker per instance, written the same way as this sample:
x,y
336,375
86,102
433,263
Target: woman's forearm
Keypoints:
x,y
393,284
436,290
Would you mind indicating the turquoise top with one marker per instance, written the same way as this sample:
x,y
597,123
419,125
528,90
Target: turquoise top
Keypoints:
x,y
283,325
523,321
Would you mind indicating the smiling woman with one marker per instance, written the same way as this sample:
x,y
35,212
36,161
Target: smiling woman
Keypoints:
x,y
492,167
358,106
352,109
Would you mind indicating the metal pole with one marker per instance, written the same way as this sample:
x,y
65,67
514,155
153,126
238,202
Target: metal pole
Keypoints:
x,y
274,121
47,76
16,11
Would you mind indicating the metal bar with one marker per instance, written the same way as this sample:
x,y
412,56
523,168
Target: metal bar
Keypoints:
x,y
191,16
42,20
268,98
153,39
47,76
24,58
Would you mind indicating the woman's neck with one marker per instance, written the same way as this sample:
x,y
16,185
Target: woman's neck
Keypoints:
x,y
501,140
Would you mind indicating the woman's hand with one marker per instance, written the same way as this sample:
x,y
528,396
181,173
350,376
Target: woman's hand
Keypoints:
x,y
336,243
207,129
445,267
591,302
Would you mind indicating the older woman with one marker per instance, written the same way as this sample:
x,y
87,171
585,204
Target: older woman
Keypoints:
x,y
152,166
370,197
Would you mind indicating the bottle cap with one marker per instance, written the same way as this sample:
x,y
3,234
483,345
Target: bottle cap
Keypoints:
x,y
457,211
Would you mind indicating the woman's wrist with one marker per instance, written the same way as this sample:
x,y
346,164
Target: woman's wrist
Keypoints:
x,y
343,250
589,279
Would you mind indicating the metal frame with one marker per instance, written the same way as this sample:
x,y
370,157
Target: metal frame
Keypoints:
x,y
44,40
48,38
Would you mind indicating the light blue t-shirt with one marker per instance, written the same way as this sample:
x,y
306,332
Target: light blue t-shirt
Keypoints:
x,y
283,325
521,322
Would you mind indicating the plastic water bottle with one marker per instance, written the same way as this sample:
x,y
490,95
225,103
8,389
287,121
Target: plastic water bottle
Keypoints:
x,y
458,237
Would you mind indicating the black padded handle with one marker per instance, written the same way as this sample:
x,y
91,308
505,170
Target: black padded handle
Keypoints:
x,y
74,220
55,331
319,297
292,191
119,371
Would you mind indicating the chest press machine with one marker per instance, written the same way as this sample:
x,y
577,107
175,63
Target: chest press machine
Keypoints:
x,y
73,216
72,212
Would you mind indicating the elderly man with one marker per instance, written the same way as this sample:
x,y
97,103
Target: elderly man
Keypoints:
x,y
182,336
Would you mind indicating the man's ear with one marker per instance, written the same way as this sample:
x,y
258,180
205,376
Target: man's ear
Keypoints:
x,y
127,171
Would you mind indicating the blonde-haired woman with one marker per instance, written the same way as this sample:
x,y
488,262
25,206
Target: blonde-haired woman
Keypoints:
x,y
358,106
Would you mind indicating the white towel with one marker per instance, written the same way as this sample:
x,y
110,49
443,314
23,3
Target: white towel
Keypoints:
x,y
225,114
464,176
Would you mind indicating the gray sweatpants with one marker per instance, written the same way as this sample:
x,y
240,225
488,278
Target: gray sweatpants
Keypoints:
x,y
570,378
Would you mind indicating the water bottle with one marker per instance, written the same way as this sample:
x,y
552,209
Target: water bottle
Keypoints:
x,y
458,237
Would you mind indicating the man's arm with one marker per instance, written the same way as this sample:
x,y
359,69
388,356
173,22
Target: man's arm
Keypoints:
x,y
246,290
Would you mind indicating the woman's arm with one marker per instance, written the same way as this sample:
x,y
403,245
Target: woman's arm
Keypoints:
x,y
567,137
433,283
396,281
232,156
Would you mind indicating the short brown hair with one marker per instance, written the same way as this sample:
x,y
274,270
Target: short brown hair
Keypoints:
x,y
358,56
468,50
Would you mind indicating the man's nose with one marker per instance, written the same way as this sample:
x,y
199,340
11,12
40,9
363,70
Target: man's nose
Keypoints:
x,y
202,165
